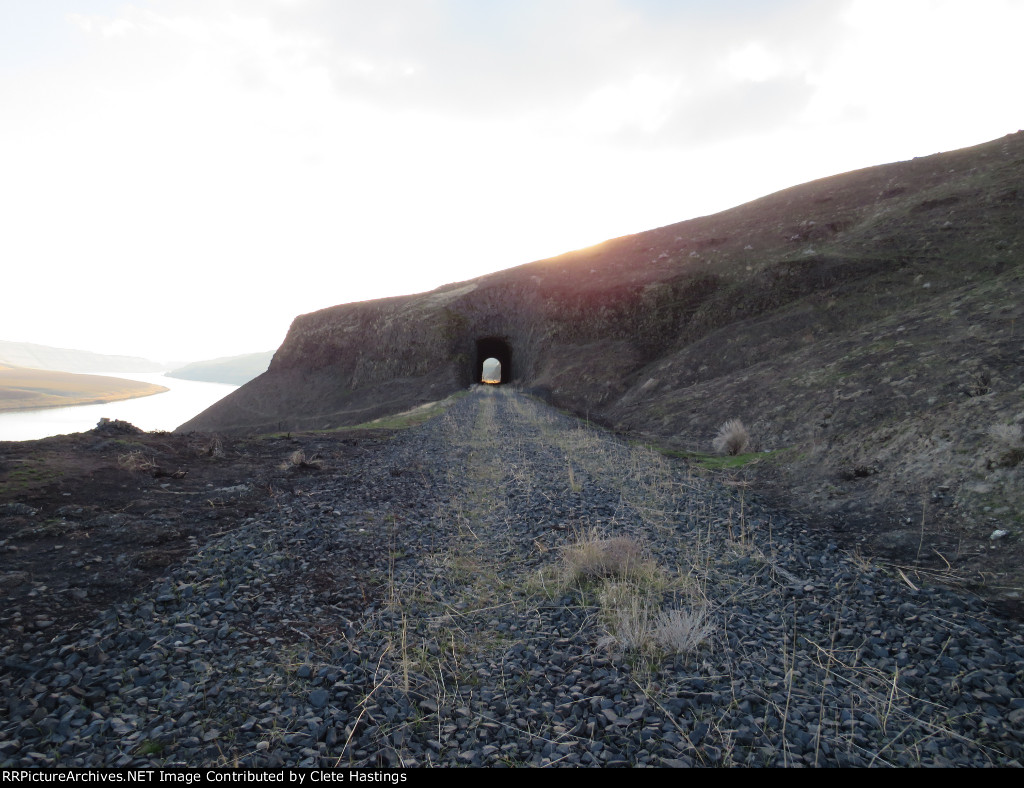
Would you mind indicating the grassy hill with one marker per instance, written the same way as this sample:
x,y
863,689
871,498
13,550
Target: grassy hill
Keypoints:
x,y
26,389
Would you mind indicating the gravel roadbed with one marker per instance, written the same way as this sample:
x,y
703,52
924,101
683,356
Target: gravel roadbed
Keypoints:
x,y
417,610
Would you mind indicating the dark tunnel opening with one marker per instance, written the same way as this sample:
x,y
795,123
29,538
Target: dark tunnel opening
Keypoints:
x,y
493,348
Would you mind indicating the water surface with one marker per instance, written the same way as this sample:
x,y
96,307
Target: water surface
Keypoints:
x,y
165,411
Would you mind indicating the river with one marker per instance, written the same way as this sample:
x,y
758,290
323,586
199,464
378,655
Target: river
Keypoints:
x,y
165,411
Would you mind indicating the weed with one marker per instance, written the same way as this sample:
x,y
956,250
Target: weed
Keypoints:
x,y
150,747
136,461
1011,438
682,630
593,557
298,459
628,617
574,485
732,438
636,623
213,448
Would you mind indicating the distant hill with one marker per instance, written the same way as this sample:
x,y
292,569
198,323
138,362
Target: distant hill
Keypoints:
x,y
25,354
236,370
28,389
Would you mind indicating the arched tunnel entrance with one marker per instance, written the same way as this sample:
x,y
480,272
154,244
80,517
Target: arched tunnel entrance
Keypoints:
x,y
498,350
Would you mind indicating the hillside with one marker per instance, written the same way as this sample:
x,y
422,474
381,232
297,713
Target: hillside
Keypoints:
x,y
26,354
25,389
863,326
236,370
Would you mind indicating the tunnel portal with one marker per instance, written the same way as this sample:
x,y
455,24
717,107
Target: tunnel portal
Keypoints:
x,y
493,347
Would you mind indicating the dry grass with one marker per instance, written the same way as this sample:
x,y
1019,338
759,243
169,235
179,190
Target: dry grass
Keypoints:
x,y
595,557
635,622
628,617
136,461
23,389
732,438
680,630
213,448
298,459
1010,435
631,589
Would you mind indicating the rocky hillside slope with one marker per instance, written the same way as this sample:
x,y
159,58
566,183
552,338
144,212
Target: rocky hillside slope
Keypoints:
x,y
863,326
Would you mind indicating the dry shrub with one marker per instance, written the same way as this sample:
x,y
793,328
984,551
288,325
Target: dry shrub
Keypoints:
x,y
681,631
136,461
732,438
1011,438
631,588
593,557
298,459
1010,435
628,616
214,448
635,622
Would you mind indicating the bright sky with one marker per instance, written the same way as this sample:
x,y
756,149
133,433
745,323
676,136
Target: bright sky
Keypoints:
x,y
181,178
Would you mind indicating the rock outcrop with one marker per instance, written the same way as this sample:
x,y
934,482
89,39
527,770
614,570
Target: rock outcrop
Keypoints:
x,y
640,320
868,328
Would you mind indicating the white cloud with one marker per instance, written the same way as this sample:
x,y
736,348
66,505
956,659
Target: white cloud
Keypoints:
x,y
754,62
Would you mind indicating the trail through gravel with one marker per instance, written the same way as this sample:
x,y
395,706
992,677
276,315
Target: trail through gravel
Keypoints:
x,y
505,586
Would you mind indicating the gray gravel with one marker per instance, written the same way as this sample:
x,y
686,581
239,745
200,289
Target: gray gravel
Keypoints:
x,y
408,612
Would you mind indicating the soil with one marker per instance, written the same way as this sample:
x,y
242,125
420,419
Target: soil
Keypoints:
x,y
90,519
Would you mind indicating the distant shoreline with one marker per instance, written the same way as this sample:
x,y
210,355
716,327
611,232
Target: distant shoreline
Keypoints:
x,y
23,389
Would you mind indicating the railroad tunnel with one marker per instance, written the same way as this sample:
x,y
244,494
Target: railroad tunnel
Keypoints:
x,y
496,348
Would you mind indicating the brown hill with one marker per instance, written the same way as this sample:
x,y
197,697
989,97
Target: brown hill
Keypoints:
x,y
863,326
26,389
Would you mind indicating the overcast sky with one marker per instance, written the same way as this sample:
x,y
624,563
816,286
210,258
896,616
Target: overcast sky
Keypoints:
x,y
180,178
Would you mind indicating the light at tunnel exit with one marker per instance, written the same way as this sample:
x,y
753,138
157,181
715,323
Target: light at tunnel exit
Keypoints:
x,y
491,371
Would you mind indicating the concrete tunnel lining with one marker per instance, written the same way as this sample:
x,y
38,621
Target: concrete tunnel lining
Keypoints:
x,y
493,347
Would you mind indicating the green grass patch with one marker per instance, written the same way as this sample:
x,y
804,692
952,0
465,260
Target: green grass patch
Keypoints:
x,y
398,421
30,475
410,418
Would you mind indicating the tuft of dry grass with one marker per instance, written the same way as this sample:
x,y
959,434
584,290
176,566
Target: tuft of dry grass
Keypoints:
x,y
1010,435
136,461
732,438
1011,439
635,622
593,557
628,616
681,630
630,595
298,459
213,448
